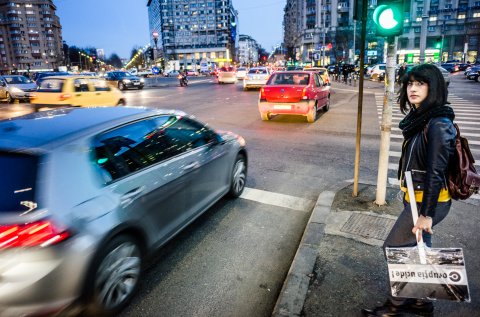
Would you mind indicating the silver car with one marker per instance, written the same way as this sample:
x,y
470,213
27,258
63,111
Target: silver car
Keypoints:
x,y
256,77
15,87
446,75
87,193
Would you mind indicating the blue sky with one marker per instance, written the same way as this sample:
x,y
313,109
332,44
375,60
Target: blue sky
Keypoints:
x,y
119,25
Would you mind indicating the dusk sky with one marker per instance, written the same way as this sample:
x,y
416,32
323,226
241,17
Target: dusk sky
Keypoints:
x,y
119,25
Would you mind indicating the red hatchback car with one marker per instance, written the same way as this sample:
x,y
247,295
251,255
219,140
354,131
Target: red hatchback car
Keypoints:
x,y
294,92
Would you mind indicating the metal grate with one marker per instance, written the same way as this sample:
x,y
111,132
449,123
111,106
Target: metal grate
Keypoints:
x,y
368,226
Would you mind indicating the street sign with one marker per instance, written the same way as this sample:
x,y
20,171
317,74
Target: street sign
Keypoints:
x,y
155,70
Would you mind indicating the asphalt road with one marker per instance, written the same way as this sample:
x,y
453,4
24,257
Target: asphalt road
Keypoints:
x,y
232,261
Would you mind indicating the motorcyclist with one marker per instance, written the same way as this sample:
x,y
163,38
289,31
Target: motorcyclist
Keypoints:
x,y
182,76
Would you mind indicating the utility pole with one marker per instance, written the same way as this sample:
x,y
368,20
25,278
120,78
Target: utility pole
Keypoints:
x,y
386,126
324,32
424,30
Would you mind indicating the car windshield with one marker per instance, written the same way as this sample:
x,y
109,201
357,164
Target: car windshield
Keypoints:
x,y
17,79
18,185
50,85
123,74
227,69
289,79
257,71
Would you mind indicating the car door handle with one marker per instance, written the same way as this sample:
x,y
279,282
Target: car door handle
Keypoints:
x,y
97,93
130,196
190,166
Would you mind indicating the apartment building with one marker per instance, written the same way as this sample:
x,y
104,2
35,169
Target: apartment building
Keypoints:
x,y
30,36
195,31
247,50
453,23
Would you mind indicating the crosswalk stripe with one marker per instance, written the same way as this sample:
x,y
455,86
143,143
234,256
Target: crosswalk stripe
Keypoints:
x,y
276,199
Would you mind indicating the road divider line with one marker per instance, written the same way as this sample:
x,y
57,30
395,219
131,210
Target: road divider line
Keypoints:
x,y
276,199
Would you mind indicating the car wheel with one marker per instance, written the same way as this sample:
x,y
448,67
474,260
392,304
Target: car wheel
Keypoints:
x,y
327,106
239,177
8,97
312,114
114,277
477,79
121,86
265,116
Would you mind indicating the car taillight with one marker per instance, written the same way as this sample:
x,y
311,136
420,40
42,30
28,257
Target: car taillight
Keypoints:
x,y
64,97
262,94
36,234
304,93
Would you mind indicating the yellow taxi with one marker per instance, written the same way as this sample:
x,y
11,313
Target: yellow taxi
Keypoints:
x,y
75,91
323,72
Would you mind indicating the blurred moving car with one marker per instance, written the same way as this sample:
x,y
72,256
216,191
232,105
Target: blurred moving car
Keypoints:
x,y
75,91
39,75
16,87
241,72
124,80
96,191
257,77
172,73
376,71
323,72
227,74
192,73
450,67
472,72
446,75
294,92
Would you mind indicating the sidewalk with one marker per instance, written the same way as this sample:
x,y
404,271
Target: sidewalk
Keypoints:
x,y
339,267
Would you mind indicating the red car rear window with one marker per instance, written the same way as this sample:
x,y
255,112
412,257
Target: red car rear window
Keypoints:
x,y
289,79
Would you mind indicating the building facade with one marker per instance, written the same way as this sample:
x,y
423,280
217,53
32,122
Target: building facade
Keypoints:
x,y
247,50
194,32
30,36
314,28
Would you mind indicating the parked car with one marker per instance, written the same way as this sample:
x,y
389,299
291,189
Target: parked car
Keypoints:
x,y
471,73
294,92
192,73
16,87
88,194
257,77
323,72
75,91
450,67
124,80
241,72
227,74
376,71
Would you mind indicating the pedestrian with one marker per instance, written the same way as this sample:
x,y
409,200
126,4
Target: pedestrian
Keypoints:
x,y
428,146
401,72
345,72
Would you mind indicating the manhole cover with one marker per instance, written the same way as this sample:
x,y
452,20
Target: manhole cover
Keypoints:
x,y
368,226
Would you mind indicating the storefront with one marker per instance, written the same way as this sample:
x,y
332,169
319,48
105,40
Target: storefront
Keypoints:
x,y
413,56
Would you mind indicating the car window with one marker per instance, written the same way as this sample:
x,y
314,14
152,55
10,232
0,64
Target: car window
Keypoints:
x,y
227,69
257,71
80,85
124,150
17,80
50,85
99,85
318,81
18,185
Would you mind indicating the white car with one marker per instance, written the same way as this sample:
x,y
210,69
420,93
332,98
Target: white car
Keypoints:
x,y
172,73
241,72
227,74
256,78
376,71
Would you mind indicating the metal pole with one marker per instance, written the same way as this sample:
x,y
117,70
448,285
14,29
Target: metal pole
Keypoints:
x,y
354,36
363,36
80,59
386,126
424,31
324,32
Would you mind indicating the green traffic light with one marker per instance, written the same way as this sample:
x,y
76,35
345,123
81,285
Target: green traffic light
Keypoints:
x,y
388,16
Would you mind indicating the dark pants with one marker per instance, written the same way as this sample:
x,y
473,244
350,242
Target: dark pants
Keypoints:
x,y
401,234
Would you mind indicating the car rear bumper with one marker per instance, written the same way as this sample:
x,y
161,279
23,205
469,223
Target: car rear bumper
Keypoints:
x,y
298,108
132,85
227,79
254,83
42,280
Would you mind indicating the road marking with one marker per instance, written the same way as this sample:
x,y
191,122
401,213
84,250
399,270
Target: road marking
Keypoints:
x,y
276,199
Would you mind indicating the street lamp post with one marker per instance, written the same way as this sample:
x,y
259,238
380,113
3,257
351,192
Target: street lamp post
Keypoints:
x,y
155,41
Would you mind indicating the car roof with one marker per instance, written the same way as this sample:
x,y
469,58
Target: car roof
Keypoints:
x,y
46,129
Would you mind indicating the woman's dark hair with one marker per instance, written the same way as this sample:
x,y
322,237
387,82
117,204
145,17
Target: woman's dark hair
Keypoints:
x,y
437,89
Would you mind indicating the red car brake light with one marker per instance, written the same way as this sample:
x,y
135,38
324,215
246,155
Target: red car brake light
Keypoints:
x,y
304,93
262,94
36,234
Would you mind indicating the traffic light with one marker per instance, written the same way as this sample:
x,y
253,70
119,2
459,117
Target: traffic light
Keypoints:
x,y
388,17
438,43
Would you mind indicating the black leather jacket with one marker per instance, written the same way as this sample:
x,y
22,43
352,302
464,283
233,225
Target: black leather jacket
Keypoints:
x,y
427,155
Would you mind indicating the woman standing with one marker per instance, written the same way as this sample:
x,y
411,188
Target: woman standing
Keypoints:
x,y
429,138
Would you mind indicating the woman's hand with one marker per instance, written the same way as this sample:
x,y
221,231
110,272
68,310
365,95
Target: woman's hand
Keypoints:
x,y
423,223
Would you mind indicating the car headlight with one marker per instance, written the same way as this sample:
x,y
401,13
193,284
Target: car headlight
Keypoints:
x,y
16,90
126,81
142,80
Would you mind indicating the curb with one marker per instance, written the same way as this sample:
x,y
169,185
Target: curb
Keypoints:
x,y
294,290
